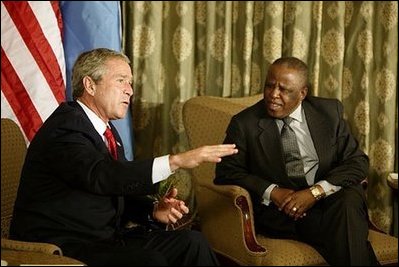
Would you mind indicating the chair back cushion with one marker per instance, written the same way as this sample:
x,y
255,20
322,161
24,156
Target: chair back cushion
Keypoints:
x,y
13,151
205,120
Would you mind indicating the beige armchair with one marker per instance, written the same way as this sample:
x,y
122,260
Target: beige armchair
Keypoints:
x,y
13,151
225,211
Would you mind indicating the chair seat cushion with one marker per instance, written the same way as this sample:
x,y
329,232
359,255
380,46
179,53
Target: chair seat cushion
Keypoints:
x,y
287,252
385,247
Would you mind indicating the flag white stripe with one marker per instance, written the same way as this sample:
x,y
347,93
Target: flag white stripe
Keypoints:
x,y
27,69
48,22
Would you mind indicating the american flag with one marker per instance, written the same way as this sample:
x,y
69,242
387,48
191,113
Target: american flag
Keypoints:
x,y
32,62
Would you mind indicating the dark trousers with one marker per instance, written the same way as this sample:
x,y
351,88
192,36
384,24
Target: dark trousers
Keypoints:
x,y
337,227
146,248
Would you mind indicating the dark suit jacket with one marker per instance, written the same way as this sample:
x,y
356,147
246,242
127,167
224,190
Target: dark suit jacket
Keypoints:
x,y
259,162
70,186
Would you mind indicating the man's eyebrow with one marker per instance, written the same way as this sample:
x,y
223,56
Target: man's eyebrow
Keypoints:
x,y
124,76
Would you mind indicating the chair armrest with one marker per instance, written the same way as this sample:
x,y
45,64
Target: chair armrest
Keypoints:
x,y
226,219
229,191
392,180
46,248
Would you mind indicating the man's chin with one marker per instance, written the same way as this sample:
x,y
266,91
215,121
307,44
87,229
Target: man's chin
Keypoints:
x,y
119,116
275,113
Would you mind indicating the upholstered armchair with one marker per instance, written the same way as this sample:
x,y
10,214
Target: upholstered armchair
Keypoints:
x,y
225,211
13,151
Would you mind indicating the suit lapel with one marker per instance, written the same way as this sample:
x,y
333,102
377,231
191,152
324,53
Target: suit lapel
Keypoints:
x,y
268,135
318,131
88,128
97,138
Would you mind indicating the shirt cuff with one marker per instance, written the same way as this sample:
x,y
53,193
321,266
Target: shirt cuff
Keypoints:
x,y
161,169
266,195
328,188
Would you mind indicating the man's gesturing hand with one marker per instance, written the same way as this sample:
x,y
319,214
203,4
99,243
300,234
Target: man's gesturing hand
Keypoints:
x,y
193,158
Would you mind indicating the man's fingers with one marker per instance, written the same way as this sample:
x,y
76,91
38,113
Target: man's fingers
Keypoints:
x,y
285,202
216,152
226,149
172,193
171,218
174,215
184,208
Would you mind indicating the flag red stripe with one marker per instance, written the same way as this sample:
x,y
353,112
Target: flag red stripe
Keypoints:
x,y
15,93
57,11
29,28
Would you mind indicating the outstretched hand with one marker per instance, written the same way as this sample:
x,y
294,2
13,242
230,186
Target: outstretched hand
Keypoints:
x,y
193,158
169,209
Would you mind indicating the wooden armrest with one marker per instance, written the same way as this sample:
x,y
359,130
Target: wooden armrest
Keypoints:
x,y
231,191
46,248
239,197
249,232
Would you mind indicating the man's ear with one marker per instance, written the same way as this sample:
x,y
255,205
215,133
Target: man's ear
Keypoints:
x,y
89,85
304,92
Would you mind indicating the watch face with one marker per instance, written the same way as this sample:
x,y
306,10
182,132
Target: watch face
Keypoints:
x,y
316,193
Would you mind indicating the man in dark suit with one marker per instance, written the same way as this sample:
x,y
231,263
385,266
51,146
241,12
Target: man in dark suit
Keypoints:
x,y
324,203
77,194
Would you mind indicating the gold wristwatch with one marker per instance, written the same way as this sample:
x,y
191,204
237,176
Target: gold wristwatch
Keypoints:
x,y
316,192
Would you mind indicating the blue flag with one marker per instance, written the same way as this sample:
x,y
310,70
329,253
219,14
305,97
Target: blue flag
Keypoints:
x,y
88,25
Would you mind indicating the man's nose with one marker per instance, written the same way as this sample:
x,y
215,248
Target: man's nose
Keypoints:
x,y
275,90
129,89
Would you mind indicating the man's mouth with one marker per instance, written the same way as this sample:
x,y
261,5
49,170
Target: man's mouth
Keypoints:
x,y
274,105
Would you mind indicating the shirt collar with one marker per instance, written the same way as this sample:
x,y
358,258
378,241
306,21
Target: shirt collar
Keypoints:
x,y
297,114
97,122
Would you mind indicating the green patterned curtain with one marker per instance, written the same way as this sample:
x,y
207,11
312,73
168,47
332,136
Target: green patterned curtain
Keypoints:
x,y
183,49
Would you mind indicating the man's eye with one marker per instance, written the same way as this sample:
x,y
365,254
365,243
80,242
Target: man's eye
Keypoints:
x,y
285,91
124,81
269,85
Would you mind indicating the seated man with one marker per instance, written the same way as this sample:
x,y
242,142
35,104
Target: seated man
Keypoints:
x,y
77,188
302,167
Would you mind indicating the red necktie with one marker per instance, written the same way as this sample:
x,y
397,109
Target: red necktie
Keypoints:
x,y
111,142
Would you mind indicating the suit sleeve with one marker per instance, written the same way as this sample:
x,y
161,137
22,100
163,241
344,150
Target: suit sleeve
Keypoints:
x,y
83,164
234,169
351,164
